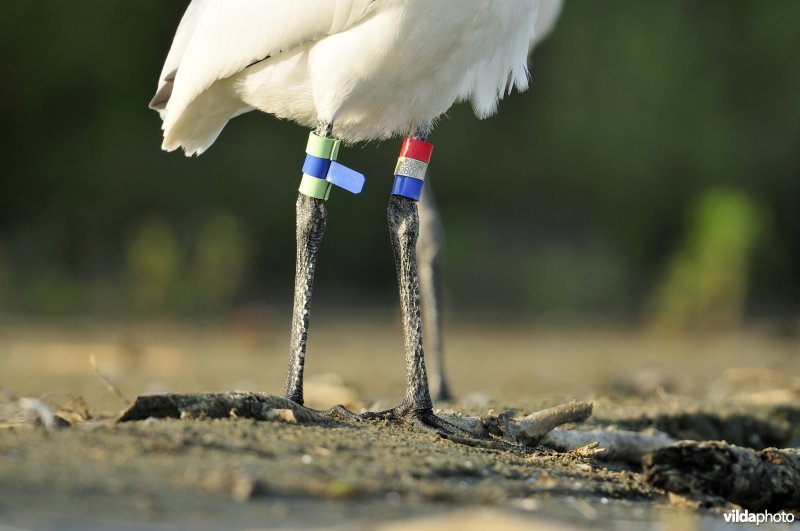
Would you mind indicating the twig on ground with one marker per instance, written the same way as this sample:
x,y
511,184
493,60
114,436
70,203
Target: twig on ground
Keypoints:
x,y
112,388
627,446
528,430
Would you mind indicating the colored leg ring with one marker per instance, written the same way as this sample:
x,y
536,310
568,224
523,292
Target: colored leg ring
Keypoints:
x,y
320,152
417,149
407,187
316,188
411,168
320,169
322,147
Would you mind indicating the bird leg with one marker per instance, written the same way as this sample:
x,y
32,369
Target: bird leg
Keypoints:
x,y
403,220
311,220
430,253
403,217
320,172
312,216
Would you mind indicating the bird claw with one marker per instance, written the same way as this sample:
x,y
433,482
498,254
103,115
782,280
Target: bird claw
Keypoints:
x,y
339,412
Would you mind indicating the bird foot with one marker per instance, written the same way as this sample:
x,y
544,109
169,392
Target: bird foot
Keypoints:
x,y
426,420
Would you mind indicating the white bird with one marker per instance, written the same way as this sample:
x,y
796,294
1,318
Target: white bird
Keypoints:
x,y
354,70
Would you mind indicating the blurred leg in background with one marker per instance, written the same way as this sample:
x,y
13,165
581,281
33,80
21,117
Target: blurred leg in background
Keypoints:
x,y
430,252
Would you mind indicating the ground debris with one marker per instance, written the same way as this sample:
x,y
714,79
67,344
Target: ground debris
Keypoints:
x,y
590,450
527,430
610,445
74,410
682,418
756,480
27,411
283,415
107,382
258,406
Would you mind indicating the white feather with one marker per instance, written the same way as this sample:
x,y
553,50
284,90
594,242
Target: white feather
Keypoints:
x,y
373,68
182,37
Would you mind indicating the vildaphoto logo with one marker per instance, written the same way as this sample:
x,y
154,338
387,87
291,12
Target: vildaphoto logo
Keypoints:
x,y
746,517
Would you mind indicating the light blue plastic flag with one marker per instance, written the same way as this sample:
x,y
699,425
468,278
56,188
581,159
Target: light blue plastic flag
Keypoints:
x,y
343,177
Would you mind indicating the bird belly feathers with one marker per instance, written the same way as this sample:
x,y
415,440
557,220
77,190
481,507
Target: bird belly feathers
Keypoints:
x,y
400,67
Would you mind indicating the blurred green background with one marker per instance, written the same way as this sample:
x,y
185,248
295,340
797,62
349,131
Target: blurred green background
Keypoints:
x,y
659,152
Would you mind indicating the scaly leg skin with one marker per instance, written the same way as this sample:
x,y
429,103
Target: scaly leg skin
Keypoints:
x,y
312,216
416,408
430,251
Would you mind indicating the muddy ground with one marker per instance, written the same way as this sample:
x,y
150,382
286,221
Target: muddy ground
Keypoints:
x,y
241,474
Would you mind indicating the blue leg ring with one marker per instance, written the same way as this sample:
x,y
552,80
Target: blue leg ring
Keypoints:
x,y
407,187
316,167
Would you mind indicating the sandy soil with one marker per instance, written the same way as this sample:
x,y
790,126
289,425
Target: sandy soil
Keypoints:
x,y
240,474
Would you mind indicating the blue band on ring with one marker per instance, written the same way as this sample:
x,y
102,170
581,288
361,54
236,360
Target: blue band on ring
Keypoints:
x,y
316,167
407,187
